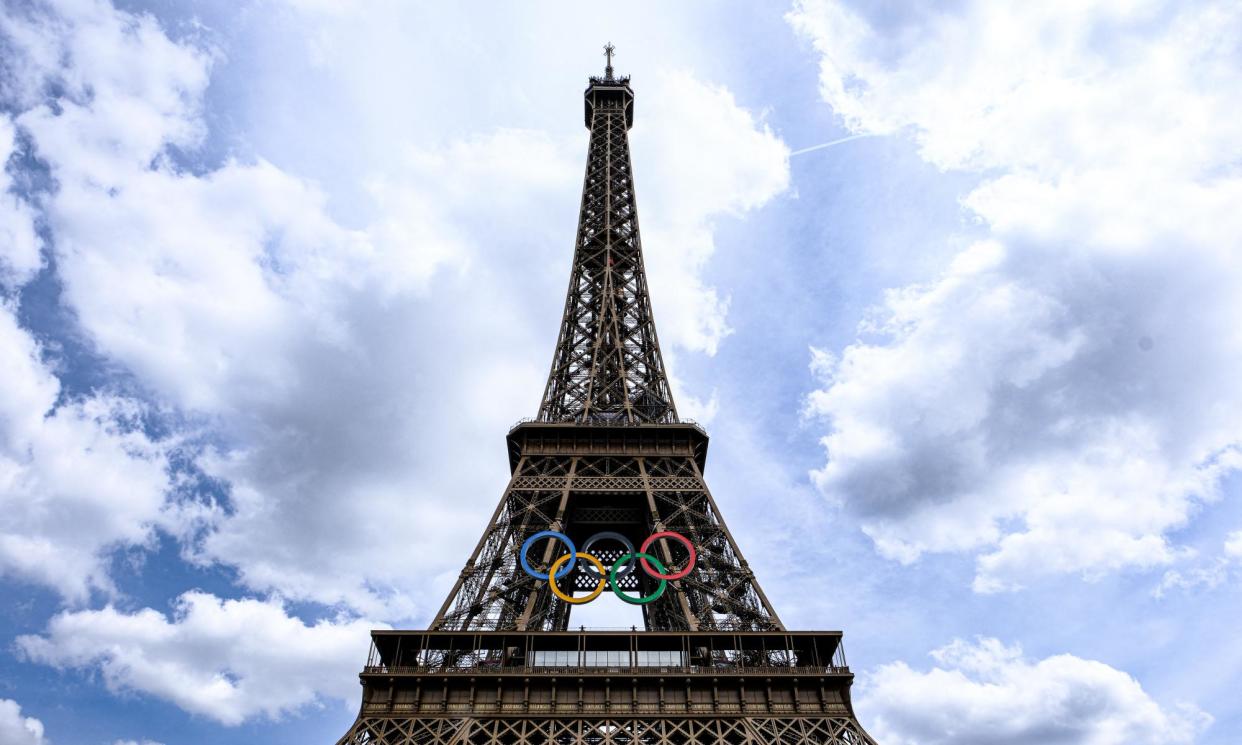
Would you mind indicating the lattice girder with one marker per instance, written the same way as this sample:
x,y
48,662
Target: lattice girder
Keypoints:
x,y
584,494
609,731
607,452
607,365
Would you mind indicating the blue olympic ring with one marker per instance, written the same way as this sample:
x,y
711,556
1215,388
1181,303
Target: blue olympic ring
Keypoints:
x,y
573,554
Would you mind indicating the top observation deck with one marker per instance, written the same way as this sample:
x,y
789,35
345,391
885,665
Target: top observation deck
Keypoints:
x,y
609,93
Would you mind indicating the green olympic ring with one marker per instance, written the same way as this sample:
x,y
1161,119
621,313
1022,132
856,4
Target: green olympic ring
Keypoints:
x,y
616,588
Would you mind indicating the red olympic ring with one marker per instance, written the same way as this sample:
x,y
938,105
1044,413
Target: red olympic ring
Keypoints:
x,y
675,536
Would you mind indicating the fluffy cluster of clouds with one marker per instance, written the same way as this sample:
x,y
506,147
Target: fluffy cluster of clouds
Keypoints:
x,y
19,243
1212,573
77,478
987,693
225,659
684,189
16,729
1063,395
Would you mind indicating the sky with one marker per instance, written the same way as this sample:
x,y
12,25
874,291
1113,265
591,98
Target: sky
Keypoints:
x,y
954,288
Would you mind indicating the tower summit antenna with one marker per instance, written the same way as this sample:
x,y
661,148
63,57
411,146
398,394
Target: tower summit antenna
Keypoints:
x,y
608,52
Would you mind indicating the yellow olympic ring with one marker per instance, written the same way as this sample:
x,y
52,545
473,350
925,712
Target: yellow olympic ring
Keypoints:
x,y
585,598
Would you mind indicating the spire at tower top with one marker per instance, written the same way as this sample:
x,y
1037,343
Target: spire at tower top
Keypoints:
x,y
608,51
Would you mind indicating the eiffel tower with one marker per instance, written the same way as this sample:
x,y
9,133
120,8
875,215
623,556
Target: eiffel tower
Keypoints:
x,y
607,466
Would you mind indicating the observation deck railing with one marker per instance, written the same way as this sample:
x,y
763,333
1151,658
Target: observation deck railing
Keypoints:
x,y
602,423
497,669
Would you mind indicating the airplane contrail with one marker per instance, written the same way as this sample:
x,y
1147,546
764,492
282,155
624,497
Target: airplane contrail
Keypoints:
x,y
823,145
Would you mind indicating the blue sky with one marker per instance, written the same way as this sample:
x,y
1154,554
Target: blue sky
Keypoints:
x,y
277,276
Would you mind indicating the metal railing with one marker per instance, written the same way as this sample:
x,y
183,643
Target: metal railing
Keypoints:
x,y
608,423
724,669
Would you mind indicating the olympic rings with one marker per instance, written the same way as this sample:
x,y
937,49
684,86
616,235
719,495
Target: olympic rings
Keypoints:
x,y
573,552
586,598
611,577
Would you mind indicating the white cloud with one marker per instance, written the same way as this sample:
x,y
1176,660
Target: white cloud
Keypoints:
x,y
77,478
1062,395
108,113
1233,545
699,160
135,742
19,244
986,693
16,729
234,297
225,659
1210,574
337,483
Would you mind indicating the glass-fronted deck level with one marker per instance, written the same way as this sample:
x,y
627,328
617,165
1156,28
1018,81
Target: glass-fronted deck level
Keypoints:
x,y
604,652
451,674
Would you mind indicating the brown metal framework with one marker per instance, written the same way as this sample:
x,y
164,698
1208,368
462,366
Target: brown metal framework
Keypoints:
x,y
607,365
606,453
622,688
634,481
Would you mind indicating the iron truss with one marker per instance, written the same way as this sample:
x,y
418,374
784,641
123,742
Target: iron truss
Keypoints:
x,y
607,364
631,688
635,495
653,730
606,454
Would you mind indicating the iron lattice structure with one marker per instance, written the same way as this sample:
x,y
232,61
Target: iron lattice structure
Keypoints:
x,y
607,452
616,730
607,366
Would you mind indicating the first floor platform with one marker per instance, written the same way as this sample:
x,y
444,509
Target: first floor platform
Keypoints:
x,y
606,688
